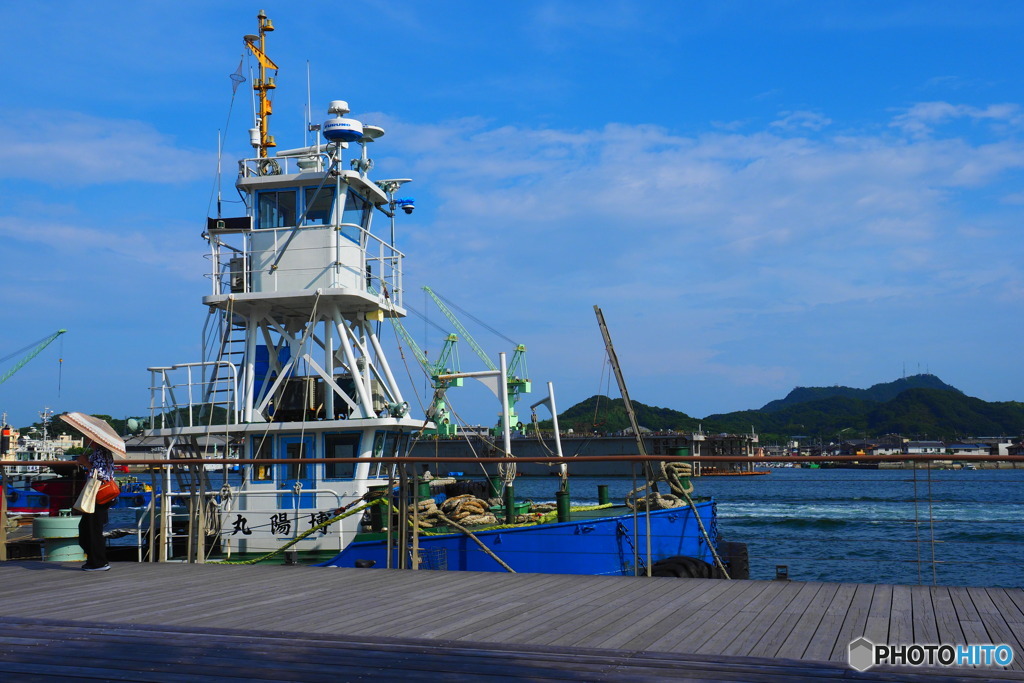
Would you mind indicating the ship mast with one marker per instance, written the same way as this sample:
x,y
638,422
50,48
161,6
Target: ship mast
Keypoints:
x,y
260,136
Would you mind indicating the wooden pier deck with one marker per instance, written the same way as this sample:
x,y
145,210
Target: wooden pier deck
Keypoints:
x,y
172,622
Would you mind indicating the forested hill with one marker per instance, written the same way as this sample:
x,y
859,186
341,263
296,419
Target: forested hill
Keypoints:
x,y
603,414
915,413
921,406
879,392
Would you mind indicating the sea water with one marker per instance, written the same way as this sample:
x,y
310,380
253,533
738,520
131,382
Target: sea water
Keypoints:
x,y
950,527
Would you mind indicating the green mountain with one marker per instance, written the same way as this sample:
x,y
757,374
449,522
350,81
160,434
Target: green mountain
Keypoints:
x,y
602,414
921,406
879,392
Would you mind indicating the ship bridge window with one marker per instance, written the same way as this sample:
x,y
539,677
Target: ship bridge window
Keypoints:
x,y
340,446
277,209
319,205
356,210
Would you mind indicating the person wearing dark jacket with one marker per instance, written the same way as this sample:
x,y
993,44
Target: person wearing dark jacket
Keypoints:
x,y
102,445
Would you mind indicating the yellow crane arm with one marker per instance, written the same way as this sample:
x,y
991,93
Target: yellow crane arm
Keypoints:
x,y
264,60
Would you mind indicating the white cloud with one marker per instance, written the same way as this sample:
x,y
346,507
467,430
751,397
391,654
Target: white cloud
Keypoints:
x,y
795,120
921,118
71,247
76,149
753,221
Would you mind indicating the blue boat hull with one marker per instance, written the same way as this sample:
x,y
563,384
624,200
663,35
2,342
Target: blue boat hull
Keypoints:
x,y
597,546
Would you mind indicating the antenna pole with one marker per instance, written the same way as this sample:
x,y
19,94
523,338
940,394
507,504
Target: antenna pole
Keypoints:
x,y
220,153
309,110
264,83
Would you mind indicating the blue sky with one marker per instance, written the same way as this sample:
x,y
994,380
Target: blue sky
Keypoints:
x,y
759,195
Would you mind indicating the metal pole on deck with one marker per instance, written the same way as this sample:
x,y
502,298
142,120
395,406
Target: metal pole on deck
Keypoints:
x,y
415,518
503,396
403,514
628,405
388,538
201,517
3,515
165,512
152,515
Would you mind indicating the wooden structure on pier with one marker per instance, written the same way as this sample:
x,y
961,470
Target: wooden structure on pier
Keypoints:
x,y
195,622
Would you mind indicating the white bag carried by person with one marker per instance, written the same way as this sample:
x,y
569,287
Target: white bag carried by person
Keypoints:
x,y
86,503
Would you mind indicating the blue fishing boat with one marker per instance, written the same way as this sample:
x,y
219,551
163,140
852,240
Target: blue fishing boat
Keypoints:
x,y
25,501
296,382
603,541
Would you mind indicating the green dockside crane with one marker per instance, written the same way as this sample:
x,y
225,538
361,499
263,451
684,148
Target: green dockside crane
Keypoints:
x,y
517,385
36,349
438,411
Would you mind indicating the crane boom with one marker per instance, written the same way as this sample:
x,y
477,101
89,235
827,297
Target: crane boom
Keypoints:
x,y
407,338
515,384
626,402
36,350
461,328
438,410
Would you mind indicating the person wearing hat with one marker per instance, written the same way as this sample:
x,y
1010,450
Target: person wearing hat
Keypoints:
x,y
102,444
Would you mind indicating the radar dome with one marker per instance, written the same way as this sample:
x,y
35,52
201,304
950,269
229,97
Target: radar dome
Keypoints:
x,y
342,130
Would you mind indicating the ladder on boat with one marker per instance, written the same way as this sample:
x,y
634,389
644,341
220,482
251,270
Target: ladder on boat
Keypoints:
x,y
192,485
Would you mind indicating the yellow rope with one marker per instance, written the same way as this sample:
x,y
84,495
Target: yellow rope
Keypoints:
x,y
545,518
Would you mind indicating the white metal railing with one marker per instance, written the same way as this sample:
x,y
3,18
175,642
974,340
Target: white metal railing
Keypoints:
x,y
175,393
271,166
321,265
167,514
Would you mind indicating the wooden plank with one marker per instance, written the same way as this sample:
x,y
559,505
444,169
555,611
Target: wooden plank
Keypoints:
x,y
711,624
855,623
741,621
946,621
618,616
925,628
402,601
563,616
823,641
901,617
287,656
1011,602
877,627
998,629
532,617
673,610
378,611
967,616
461,612
687,609
758,626
807,623
777,634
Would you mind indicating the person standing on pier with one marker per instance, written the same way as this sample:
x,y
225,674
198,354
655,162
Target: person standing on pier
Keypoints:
x,y
102,445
